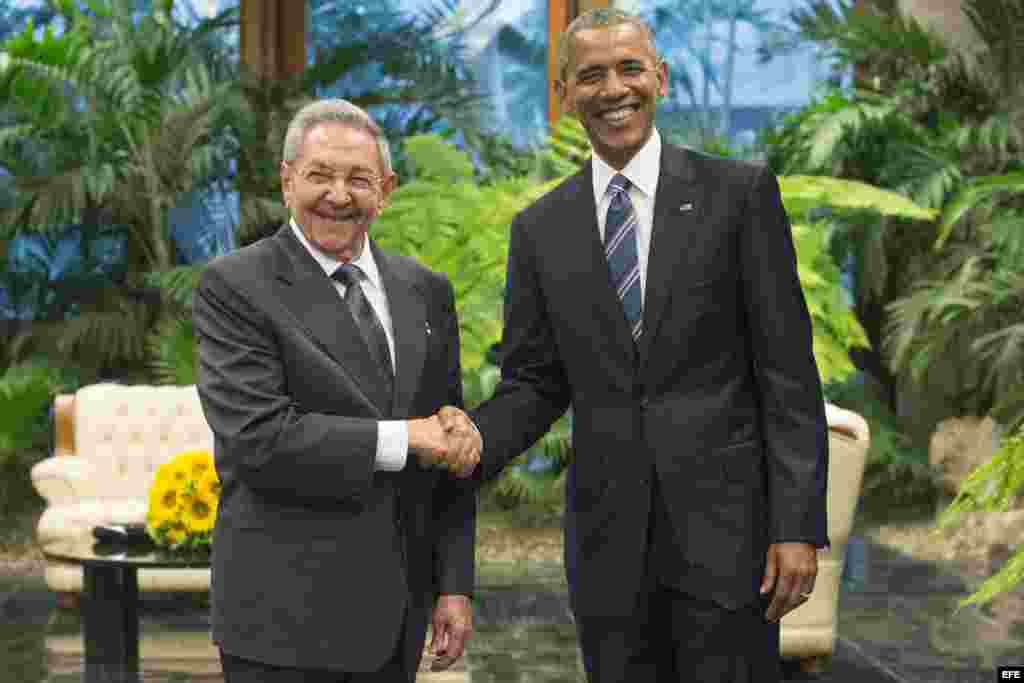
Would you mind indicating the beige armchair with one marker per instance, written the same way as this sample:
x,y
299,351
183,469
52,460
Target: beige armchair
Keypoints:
x,y
809,631
109,441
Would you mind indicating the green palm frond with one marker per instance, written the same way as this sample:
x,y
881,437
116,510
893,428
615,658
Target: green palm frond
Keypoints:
x,y
836,329
979,193
878,33
111,336
922,323
1005,580
1002,351
567,147
828,130
1000,25
801,193
1009,407
995,141
172,346
925,173
516,486
177,284
993,486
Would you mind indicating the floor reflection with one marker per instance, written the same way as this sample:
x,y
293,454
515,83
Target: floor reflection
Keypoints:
x,y
895,615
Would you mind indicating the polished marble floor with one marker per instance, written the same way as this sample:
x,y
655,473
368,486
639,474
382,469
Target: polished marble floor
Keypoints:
x,y
896,625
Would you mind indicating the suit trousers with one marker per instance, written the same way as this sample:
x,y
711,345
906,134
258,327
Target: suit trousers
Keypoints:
x,y
400,667
676,637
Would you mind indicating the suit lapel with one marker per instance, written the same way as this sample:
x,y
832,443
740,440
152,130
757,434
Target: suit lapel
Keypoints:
x,y
409,321
589,266
677,209
311,297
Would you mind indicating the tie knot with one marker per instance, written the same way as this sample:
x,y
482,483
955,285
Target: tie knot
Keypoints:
x,y
346,274
619,183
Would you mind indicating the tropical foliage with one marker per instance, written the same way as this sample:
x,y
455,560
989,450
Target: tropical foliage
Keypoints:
x,y
113,124
122,116
26,391
993,486
943,125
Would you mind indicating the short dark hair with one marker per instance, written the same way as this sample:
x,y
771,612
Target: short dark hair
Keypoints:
x,y
597,18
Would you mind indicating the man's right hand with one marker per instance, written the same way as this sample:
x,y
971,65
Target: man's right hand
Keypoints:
x,y
434,447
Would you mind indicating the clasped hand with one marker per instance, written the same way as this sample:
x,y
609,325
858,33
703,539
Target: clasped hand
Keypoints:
x,y
447,439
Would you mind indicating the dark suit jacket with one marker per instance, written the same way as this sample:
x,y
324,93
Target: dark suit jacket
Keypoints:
x,y
722,400
313,548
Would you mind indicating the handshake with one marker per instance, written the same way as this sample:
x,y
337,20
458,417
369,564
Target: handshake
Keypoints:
x,y
448,439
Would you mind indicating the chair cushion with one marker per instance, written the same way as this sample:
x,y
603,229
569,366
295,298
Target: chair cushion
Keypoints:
x,y
127,432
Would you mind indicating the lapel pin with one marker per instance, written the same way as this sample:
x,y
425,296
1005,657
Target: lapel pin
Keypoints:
x,y
685,206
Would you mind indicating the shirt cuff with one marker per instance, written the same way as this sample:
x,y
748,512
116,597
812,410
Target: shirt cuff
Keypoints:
x,y
392,445
477,430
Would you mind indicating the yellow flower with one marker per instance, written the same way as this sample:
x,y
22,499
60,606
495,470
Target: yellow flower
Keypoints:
x,y
164,500
196,463
165,475
177,533
183,500
209,484
199,513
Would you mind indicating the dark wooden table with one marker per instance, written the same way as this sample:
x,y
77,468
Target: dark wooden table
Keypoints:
x,y
110,616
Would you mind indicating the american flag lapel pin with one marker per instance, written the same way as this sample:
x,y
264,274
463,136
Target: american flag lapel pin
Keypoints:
x,y
685,206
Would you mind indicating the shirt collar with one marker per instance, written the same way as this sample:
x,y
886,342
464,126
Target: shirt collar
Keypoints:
x,y
642,170
364,261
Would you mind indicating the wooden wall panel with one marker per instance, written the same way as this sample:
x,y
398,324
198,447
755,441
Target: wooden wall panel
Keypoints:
x,y
273,37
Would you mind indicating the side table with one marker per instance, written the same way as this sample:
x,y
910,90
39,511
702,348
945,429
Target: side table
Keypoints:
x,y
110,616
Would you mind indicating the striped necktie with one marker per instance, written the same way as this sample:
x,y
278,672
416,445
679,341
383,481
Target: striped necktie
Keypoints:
x,y
621,251
369,324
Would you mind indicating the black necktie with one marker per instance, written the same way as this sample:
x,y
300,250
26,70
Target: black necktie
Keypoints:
x,y
368,322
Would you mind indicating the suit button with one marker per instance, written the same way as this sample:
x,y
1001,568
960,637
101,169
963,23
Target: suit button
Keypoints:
x,y
643,401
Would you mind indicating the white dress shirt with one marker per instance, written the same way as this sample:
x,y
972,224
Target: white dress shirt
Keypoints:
x,y
392,435
642,172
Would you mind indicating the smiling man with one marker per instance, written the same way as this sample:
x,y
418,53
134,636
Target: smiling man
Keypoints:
x,y
656,292
320,356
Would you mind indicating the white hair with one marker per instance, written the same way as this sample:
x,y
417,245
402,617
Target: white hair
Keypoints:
x,y
342,111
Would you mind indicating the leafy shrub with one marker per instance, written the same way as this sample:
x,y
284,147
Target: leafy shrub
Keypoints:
x,y
897,469
993,486
26,393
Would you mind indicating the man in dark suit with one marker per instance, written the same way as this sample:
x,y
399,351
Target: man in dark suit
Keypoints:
x,y
336,535
656,292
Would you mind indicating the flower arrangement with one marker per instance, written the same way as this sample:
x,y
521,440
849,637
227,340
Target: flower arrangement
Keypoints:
x,y
183,502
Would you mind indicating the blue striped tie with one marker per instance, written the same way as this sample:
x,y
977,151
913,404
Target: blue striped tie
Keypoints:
x,y
620,249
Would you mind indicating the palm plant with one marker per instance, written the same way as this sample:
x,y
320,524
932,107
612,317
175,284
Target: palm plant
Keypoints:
x,y
113,124
949,131
944,120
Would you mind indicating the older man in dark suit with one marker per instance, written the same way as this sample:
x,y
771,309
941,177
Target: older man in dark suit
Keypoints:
x,y
656,292
320,356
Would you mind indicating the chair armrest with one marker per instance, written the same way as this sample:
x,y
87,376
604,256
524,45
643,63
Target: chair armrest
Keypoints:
x,y
64,424
846,422
65,479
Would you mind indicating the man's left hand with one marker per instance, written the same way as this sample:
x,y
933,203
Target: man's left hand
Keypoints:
x,y
791,570
453,625
464,441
